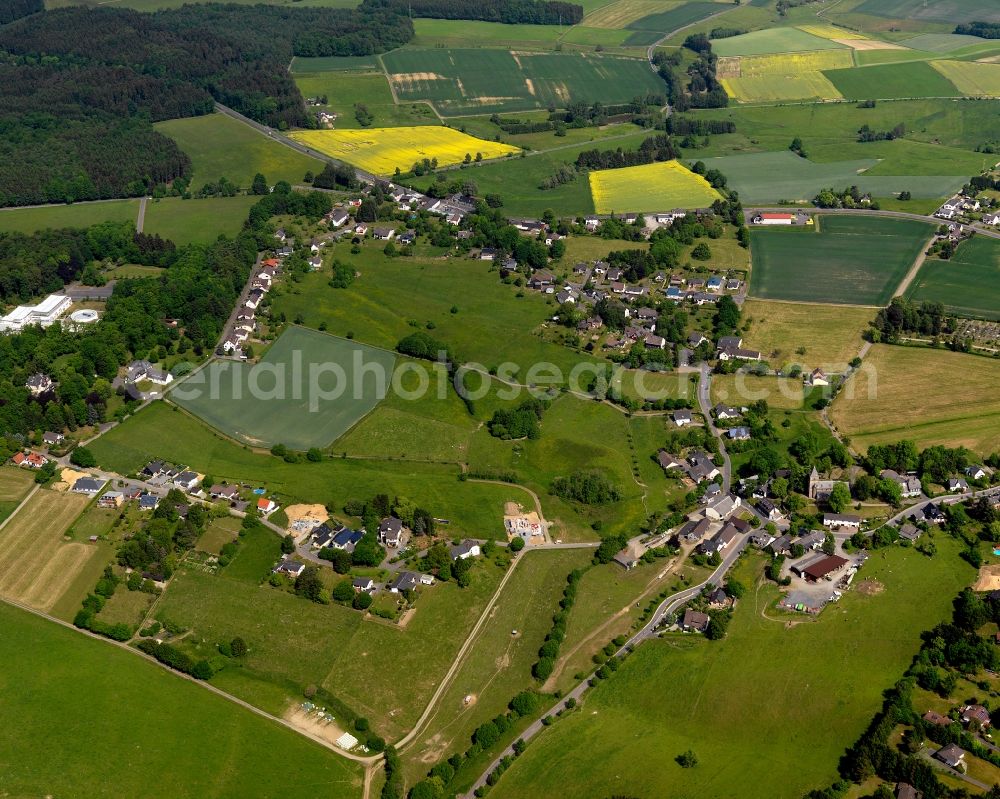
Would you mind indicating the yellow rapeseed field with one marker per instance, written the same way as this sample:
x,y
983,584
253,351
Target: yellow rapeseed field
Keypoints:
x,y
650,187
794,63
831,32
382,150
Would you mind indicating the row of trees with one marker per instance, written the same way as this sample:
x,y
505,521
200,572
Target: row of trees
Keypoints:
x,y
510,12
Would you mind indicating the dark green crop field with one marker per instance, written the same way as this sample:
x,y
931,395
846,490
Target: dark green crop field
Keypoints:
x,y
968,284
854,260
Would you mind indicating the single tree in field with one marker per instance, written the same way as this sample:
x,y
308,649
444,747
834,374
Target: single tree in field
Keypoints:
x,y
259,185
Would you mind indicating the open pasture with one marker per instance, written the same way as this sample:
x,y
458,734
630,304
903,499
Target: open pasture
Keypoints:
x,y
850,260
839,664
650,187
826,336
925,395
967,284
278,401
888,81
37,566
28,220
383,150
220,146
783,176
972,78
172,727
481,81
773,40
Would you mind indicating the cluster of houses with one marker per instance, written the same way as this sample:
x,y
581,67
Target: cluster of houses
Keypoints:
x,y
245,324
973,717
962,207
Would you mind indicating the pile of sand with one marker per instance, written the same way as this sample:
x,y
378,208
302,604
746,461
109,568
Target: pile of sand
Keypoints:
x,y
989,578
306,513
67,477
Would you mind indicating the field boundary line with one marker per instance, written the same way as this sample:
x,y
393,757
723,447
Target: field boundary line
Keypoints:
x,y
20,505
911,275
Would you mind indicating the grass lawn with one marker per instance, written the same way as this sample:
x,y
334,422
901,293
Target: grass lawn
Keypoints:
x,y
473,508
783,176
467,80
167,725
967,283
839,664
94,521
924,395
650,187
382,671
197,221
220,146
28,220
885,81
849,260
384,150
307,391
741,389
498,665
829,335
219,533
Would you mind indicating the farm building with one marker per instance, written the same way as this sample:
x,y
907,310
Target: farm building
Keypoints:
x,y
823,568
773,219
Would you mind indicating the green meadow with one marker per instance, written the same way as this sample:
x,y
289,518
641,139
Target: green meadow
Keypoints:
x,y
197,221
151,723
28,220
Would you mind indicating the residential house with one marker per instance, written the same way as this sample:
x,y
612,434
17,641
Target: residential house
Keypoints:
x,y
694,621
909,484
337,217
812,541
49,438
228,493
933,717
487,254
761,539
384,233
714,283
768,510
265,507
694,531
976,472
111,499
591,223
909,532
975,715
254,299
361,229
906,791
631,555
817,377
467,549
739,354
315,264
38,384
734,284
724,412
29,460
347,539
408,237
958,485
720,542
682,418
837,520
738,433
149,502
88,485
952,756
723,506
654,342
187,481
719,599
782,545
541,279
701,467
696,339
392,533
668,461
291,568
711,493
407,581
363,585
931,514
729,342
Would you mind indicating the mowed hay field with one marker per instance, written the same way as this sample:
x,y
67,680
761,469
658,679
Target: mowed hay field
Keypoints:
x,y
971,78
220,146
161,736
481,81
845,259
968,283
888,81
197,221
650,187
656,705
28,220
37,565
383,150
925,395
14,486
275,402
829,334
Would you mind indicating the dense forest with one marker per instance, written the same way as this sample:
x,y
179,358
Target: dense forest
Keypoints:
x,y
83,86
15,9
656,148
511,12
698,86
985,30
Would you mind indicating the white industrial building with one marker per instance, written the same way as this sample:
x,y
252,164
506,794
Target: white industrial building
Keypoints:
x,y
44,314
